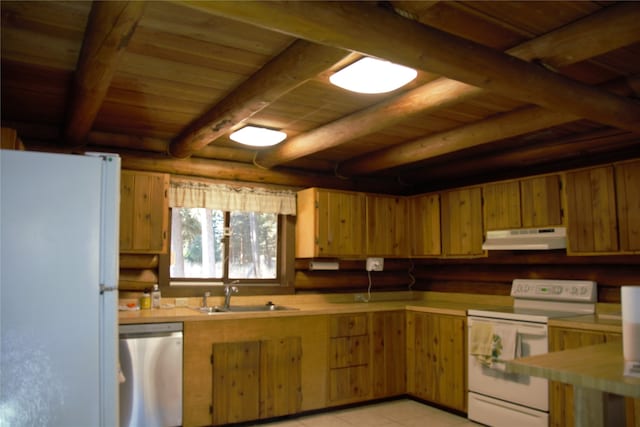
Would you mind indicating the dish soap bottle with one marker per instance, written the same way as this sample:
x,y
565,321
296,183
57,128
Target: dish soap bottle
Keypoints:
x,y
155,297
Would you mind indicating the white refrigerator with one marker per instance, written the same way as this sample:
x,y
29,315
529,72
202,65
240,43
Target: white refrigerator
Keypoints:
x,y
59,228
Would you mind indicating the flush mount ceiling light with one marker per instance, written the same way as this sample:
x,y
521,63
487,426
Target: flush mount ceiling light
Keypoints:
x,y
369,75
258,136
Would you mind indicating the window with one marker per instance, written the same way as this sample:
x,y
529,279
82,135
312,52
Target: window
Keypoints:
x,y
222,233
210,244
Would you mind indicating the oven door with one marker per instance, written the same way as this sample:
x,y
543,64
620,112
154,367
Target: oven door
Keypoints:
x,y
528,391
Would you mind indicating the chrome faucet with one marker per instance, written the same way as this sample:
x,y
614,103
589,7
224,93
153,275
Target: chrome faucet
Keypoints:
x,y
228,290
204,299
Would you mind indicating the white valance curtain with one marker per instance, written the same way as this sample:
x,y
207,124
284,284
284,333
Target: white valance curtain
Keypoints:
x,y
193,194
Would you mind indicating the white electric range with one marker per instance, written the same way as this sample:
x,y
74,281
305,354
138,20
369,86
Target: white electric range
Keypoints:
x,y
496,397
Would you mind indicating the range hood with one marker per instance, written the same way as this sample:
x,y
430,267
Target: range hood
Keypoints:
x,y
527,239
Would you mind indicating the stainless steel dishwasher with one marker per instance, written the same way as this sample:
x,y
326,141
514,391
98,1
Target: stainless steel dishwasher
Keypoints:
x,y
151,361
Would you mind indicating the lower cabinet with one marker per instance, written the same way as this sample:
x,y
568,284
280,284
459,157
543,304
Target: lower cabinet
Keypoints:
x,y
256,379
560,394
436,359
367,353
349,358
249,369
388,348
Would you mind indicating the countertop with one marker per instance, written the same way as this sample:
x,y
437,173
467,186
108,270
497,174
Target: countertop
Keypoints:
x,y
598,367
307,305
455,305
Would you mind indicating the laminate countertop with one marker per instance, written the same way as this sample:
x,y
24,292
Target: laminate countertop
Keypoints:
x,y
304,305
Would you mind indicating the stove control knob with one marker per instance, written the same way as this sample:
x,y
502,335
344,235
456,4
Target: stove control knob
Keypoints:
x,y
557,290
574,290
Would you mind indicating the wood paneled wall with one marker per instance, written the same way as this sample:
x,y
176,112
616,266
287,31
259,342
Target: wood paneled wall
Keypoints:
x,y
491,275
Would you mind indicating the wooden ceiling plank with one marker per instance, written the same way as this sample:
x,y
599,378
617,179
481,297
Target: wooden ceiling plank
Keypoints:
x,y
444,92
609,29
111,25
494,128
298,63
368,29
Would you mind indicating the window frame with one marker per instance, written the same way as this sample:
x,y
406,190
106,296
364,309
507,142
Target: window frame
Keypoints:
x,y
286,261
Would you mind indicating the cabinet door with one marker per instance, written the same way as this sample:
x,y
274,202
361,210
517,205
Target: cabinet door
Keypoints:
x,y
330,223
560,394
628,196
540,201
502,205
461,216
438,358
591,211
386,226
340,223
388,354
424,225
144,212
280,377
236,382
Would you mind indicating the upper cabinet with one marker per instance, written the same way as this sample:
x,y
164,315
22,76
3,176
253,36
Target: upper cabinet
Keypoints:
x,y
591,211
144,212
628,198
330,223
461,220
423,225
603,209
386,226
527,203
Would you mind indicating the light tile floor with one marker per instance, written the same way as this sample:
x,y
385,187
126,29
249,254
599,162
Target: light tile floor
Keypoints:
x,y
404,412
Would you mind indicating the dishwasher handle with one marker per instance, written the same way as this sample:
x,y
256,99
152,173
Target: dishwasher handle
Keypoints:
x,y
149,329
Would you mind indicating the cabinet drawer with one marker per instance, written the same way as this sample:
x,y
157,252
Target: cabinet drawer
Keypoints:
x,y
349,351
349,325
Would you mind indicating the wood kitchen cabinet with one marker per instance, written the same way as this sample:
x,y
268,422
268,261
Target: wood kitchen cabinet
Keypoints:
x,y
388,363
436,358
591,211
144,212
349,358
628,204
461,222
526,203
424,225
603,209
386,233
330,223
256,379
247,369
560,394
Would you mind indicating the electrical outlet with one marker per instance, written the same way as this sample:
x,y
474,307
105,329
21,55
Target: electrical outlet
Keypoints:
x,y
375,264
182,302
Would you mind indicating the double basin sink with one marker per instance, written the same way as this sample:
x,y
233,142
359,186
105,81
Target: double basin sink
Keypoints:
x,y
244,308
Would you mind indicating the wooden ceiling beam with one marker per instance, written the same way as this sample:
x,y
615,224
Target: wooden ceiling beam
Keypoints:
x,y
242,172
612,28
109,29
565,149
298,63
494,128
366,28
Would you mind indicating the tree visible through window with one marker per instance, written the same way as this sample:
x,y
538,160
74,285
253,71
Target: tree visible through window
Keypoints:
x,y
213,244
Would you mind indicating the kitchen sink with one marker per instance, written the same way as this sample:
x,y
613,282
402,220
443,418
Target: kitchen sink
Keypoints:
x,y
244,308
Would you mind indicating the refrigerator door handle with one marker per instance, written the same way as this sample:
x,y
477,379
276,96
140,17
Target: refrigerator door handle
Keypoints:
x,y
104,288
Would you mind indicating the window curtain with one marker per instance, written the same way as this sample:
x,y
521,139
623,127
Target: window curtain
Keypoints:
x,y
192,194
